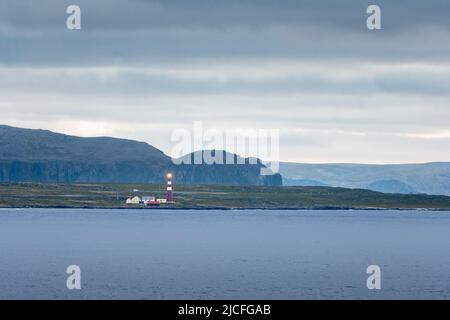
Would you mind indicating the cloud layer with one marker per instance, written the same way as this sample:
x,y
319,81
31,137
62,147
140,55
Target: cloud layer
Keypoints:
x,y
139,69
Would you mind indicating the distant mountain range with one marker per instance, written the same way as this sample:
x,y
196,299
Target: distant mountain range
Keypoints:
x,y
429,178
28,155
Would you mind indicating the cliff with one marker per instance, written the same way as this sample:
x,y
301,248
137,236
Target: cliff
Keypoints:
x,y
28,155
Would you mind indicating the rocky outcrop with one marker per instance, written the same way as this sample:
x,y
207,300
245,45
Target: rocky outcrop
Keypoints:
x,y
42,156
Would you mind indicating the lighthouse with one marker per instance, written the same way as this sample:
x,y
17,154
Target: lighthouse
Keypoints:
x,y
169,188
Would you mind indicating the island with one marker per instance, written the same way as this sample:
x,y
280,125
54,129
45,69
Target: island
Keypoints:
x,y
115,195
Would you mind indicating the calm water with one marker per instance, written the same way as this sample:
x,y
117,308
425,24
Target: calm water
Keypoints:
x,y
150,254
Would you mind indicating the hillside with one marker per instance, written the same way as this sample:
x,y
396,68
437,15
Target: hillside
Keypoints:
x,y
28,155
429,178
211,196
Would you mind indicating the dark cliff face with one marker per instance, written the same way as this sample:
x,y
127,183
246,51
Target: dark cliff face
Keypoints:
x,y
237,171
43,156
78,171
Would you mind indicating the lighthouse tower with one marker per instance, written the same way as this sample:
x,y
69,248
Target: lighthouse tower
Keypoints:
x,y
169,188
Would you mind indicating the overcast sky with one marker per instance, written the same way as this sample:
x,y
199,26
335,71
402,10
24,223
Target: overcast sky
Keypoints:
x,y
140,69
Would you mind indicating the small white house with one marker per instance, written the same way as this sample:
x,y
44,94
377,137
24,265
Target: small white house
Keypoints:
x,y
134,200
161,200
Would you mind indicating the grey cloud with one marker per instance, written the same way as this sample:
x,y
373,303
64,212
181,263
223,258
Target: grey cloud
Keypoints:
x,y
166,80
140,48
134,14
330,106
140,32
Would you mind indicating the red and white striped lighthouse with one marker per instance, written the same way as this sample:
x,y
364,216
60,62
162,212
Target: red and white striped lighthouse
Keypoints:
x,y
169,188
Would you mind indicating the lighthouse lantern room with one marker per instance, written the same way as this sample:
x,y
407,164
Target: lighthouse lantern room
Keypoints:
x,y
169,197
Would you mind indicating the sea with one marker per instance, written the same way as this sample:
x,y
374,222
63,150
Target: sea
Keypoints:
x,y
224,254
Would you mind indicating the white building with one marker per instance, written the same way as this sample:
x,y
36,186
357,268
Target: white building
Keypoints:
x,y
161,200
134,200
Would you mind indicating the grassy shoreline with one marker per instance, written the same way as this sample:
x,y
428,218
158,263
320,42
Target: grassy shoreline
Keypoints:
x,y
113,196
237,209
